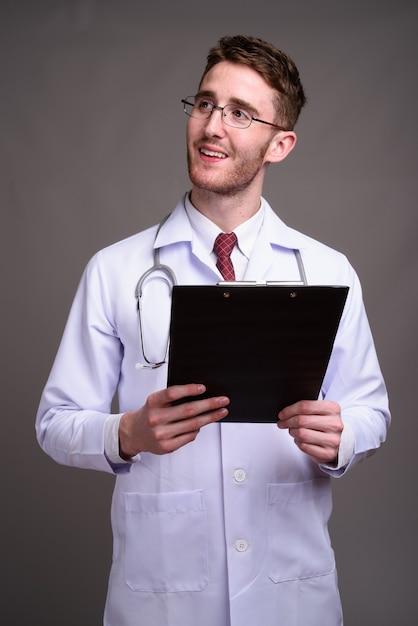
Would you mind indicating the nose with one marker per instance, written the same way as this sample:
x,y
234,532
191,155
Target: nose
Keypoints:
x,y
214,123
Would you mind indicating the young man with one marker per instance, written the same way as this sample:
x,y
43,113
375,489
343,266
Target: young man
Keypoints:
x,y
214,523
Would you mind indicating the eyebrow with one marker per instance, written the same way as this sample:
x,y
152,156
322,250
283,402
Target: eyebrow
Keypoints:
x,y
238,101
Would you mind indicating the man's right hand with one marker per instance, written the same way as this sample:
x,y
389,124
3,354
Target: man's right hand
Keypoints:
x,y
161,427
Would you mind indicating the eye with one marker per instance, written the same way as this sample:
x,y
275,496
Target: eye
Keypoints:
x,y
238,113
203,105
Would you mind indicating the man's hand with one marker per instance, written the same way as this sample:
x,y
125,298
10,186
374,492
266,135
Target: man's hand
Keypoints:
x,y
316,427
160,427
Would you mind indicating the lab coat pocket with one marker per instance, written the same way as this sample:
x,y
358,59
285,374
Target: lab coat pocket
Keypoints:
x,y
166,541
298,539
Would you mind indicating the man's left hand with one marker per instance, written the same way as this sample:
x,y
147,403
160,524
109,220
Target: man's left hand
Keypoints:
x,y
316,427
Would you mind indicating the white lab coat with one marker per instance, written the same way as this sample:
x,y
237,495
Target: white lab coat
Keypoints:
x,y
230,530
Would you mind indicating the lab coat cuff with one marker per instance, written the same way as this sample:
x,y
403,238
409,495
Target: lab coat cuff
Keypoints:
x,y
111,444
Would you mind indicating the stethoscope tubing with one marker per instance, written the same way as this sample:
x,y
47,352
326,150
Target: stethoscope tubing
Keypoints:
x,y
168,276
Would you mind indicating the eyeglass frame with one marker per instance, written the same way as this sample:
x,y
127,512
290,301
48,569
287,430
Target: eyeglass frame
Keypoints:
x,y
215,107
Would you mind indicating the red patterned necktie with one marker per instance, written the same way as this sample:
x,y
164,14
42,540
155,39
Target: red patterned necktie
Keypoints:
x,y
223,246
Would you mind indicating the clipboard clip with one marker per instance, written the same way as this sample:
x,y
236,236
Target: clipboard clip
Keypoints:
x,y
260,283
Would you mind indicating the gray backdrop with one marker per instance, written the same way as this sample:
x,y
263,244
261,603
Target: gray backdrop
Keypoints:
x,y
92,149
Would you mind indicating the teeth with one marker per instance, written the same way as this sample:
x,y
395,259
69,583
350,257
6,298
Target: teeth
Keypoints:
x,y
219,155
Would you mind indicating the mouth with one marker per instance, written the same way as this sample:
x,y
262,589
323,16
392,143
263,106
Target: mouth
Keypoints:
x,y
212,153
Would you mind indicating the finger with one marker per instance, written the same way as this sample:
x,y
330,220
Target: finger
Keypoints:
x,y
167,396
177,433
317,423
309,407
170,421
191,416
315,438
319,454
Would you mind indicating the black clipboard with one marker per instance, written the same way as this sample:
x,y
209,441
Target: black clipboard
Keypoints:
x,y
265,347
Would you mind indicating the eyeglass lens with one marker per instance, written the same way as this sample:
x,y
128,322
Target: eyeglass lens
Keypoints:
x,y
232,114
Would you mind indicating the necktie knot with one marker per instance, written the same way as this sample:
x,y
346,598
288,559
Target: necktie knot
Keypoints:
x,y
223,246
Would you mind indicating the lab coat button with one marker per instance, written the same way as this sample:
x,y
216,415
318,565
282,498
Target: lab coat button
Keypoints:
x,y
240,475
241,545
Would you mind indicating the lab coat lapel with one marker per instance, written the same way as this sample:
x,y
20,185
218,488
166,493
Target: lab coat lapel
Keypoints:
x,y
261,259
274,234
175,232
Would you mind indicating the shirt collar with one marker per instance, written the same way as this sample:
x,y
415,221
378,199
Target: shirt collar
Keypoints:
x,y
206,231
275,231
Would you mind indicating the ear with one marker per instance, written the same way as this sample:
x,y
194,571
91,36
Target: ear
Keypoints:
x,y
281,145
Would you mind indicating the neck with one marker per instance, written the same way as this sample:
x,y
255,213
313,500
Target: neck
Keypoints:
x,y
227,212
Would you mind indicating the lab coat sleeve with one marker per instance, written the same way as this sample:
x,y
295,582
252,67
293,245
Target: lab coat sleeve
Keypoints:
x,y
76,401
354,380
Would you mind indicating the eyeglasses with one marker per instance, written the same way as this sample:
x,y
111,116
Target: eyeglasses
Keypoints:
x,y
233,115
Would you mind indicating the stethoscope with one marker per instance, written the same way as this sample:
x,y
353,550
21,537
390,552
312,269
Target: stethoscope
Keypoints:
x,y
167,275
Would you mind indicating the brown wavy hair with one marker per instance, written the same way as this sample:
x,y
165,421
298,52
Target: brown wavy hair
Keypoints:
x,y
275,66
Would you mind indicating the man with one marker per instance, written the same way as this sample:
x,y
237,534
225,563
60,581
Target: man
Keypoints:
x,y
214,523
